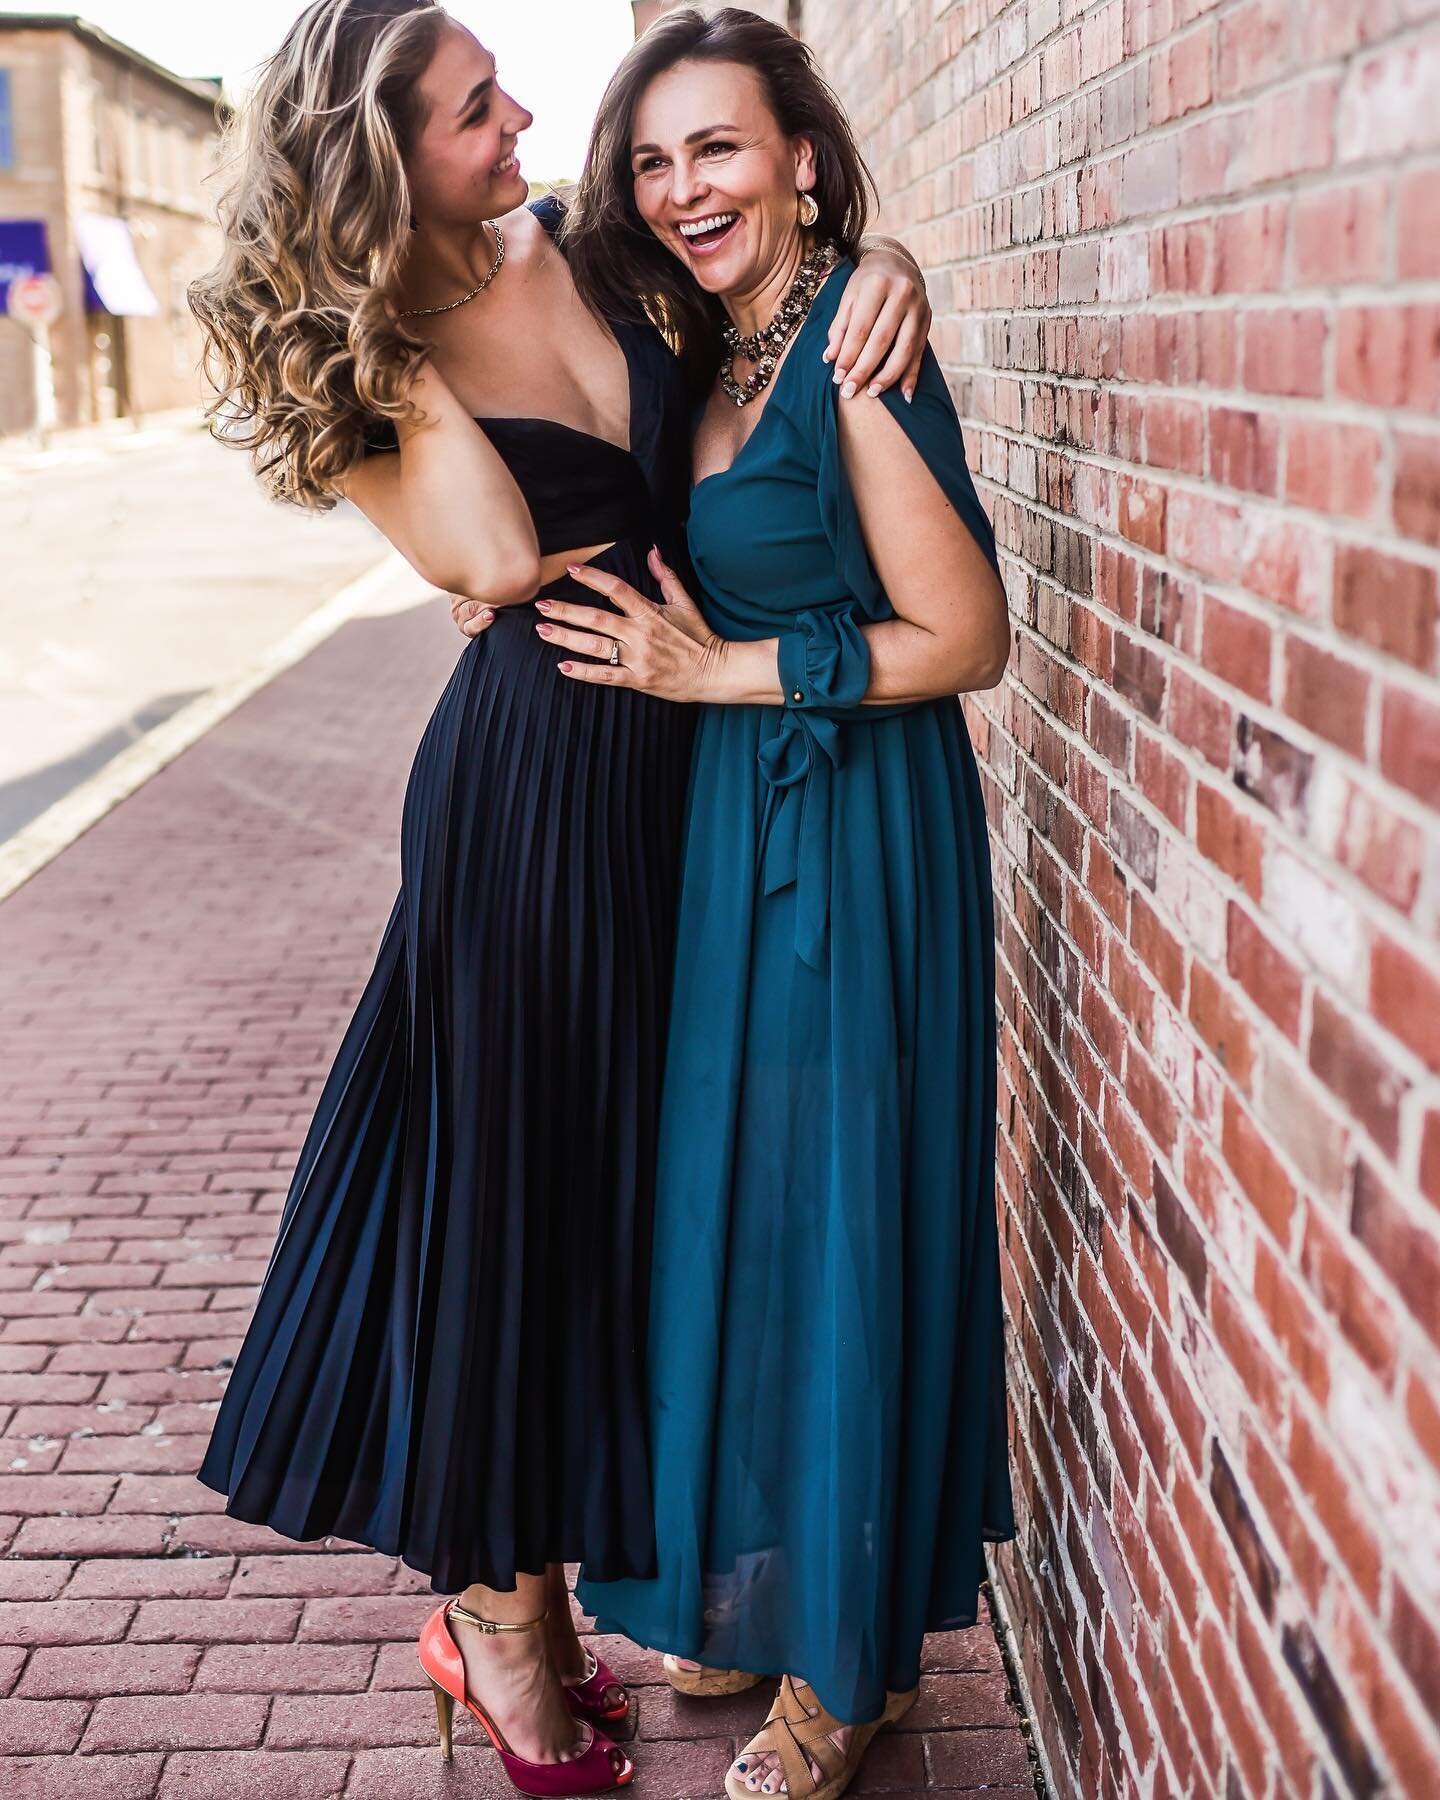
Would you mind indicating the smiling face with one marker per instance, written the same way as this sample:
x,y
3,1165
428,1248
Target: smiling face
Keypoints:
x,y
462,165
715,178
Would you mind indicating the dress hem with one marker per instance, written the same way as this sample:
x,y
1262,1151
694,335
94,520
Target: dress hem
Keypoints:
x,y
491,1578
961,1621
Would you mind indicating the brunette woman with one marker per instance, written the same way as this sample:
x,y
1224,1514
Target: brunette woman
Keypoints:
x,y
446,1357
825,1359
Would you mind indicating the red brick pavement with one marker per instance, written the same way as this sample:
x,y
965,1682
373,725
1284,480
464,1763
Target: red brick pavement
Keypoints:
x,y
172,989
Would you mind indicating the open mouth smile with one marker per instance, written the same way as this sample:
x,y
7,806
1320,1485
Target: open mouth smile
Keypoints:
x,y
701,236
506,165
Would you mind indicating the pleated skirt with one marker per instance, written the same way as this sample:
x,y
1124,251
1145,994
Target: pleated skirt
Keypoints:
x,y
446,1356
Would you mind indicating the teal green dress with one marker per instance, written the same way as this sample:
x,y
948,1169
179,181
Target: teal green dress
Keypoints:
x,y
826,1368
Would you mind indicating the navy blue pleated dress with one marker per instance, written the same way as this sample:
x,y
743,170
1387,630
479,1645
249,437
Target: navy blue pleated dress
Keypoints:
x,y
445,1360
827,1396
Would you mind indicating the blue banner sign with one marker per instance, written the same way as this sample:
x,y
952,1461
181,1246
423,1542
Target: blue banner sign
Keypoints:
x,y
22,252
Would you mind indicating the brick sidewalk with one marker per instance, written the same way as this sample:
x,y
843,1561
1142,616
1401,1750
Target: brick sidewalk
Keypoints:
x,y
172,990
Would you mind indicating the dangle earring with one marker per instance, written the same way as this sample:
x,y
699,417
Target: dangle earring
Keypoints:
x,y
809,211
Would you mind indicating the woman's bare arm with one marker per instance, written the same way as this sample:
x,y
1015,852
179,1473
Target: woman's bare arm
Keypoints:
x,y
448,503
952,629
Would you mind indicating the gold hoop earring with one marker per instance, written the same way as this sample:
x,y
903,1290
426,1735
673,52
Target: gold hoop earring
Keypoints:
x,y
809,211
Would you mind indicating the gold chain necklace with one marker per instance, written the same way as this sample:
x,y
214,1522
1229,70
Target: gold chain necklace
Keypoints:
x,y
763,347
411,312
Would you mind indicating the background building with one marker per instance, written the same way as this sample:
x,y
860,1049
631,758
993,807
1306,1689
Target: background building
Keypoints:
x,y
102,156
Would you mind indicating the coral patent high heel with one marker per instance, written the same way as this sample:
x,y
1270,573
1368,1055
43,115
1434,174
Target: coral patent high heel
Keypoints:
x,y
598,1768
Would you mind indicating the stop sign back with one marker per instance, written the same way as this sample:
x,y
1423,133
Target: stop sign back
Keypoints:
x,y
35,300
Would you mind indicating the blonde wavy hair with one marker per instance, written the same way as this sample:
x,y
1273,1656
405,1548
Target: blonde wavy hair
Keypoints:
x,y
298,342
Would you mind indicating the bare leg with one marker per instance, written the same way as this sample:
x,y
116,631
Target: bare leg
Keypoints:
x,y
565,1646
512,1673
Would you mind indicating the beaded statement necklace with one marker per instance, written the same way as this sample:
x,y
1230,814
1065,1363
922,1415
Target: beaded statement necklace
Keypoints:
x,y
763,347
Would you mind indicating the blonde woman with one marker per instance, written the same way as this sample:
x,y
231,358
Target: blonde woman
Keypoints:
x,y
446,1357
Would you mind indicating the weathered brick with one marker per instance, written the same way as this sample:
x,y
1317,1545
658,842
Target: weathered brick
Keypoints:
x,y
110,1535
240,1668
1386,603
90,1670
149,1579
37,1580
362,1620
1353,1068
1332,468
1389,355
215,1621
1285,351
263,1774
1410,742
62,1777
1316,1679
156,1722
64,1621
1406,1250
28,1727
350,1721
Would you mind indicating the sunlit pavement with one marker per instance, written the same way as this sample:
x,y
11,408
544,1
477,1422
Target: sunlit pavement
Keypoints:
x,y
173,987
142,568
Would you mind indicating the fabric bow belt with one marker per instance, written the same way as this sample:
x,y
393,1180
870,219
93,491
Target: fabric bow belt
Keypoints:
x,y
824,665
799,763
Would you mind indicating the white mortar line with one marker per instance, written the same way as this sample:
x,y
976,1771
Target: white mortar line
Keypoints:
x,y
42,840
1013,1652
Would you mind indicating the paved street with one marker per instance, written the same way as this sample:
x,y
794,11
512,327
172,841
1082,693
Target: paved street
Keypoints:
x,y
141,568
172,989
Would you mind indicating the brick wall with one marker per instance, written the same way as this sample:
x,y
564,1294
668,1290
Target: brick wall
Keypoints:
x,y
1186,263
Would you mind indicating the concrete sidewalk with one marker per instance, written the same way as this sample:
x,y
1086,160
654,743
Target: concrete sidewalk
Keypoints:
x,y
142,569
172,989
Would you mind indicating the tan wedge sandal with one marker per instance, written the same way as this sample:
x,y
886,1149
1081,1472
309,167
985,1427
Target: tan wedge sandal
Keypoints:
x,y
799,1738
707,1684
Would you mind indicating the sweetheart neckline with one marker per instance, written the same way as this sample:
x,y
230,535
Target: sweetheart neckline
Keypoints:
x,y
593,437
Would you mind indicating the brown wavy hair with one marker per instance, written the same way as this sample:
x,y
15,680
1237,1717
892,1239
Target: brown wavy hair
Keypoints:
x,y
315,221
618,263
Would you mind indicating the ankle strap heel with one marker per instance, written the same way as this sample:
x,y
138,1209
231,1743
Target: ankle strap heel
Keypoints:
x,y
489,1626
600,1765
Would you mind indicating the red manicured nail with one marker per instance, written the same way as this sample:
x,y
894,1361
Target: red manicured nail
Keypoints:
x,y
567,667
543,605
545,630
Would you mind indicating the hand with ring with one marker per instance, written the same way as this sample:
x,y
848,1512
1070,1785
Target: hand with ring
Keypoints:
x,y
663,649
